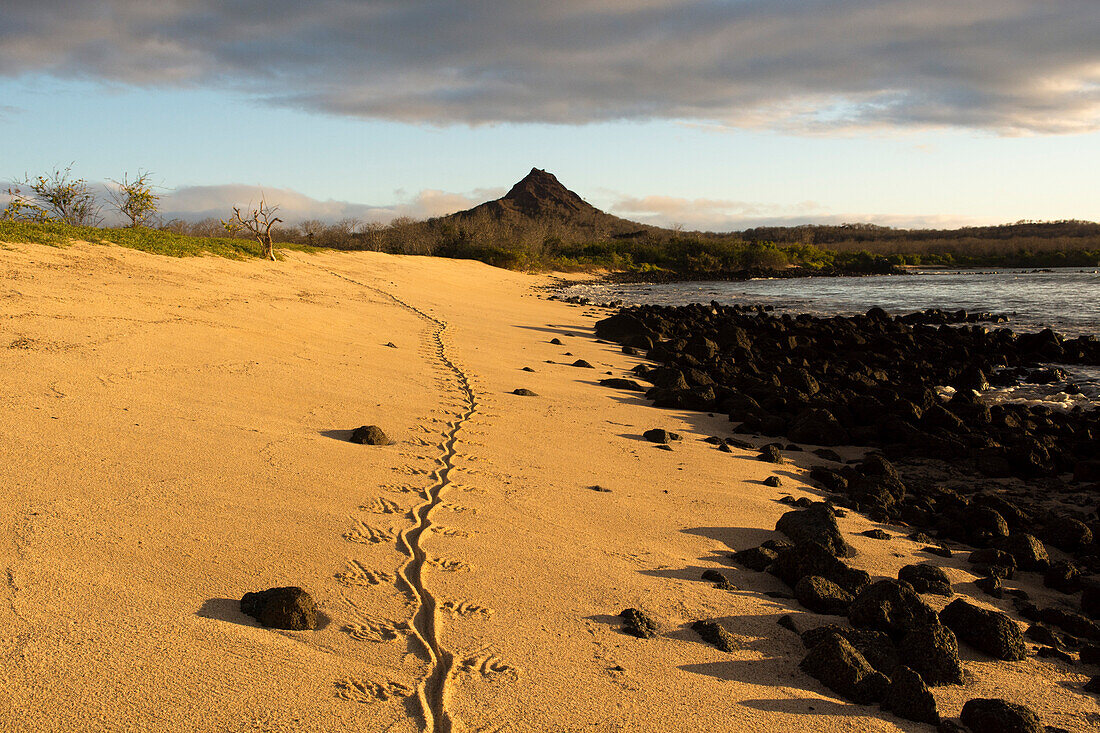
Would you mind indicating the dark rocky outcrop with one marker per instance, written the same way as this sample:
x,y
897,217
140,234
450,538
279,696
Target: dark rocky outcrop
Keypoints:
x,y
281,608
999,716
933,651
835,663
808,558
926,579
908,697
1063,576
817,525
876,647
1028,551
990,632
822,595
890,606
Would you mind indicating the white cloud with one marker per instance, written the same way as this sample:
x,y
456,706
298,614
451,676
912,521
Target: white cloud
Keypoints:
x,y
1012,66
718,215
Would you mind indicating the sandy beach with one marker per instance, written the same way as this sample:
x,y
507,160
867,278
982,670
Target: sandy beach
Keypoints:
x,y
174,433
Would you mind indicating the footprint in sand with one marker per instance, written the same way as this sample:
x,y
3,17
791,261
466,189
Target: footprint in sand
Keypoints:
x,y
488,665
449,531
363,533
458,508
449,565
367,691
381,506
466,610
403,488
411,471
375,629
359,574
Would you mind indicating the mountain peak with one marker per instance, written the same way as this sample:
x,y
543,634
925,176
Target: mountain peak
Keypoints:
x,y
541,193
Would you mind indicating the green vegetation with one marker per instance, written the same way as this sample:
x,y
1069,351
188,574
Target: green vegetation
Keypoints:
x,y
156,241
646,254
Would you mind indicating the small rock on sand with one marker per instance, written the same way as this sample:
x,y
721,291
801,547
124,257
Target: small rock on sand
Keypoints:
x,y
772,481
582,363
281,608
637,623
524,392
369,435
770,454
714,634
659,435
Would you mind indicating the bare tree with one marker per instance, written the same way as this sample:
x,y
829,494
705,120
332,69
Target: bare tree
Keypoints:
x,y
259,224
135,199
56,197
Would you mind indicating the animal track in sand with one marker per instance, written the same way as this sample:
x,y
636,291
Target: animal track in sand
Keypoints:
x,y
363,533
403,488
412,471
359,574
367,691
458,508
449,565
487,665
465,609
449,531
382,506
375,629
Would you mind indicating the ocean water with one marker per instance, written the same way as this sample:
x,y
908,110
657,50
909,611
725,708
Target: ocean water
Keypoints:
x,y
1065,299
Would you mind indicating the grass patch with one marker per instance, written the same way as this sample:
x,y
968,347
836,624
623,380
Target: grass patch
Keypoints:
x,y
154,241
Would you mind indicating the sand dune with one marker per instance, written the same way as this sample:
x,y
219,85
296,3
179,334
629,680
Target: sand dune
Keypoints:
x,y
174,434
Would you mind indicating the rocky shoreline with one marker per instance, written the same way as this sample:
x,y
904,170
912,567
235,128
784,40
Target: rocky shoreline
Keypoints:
x,y
1014,485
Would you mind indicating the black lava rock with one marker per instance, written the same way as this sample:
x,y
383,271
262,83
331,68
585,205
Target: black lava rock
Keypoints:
x,y
926,579
616,383
1067,533
822,595
1063,576
999,716
908,697
1028,551
714,634
890,606
816,524
808,558
755,558
369,435
659,435
770,454
991,632
990,586
639,624
281,608
932,651
839,666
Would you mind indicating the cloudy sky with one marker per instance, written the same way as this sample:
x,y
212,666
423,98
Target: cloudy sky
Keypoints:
x,y
715,114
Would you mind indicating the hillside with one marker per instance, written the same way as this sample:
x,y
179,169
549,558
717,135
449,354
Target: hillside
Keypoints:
x,y
541,197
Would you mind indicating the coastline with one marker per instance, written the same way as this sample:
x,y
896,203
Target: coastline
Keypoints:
x,y
175,431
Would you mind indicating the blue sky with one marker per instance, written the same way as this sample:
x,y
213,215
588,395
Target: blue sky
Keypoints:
x,y
715,115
